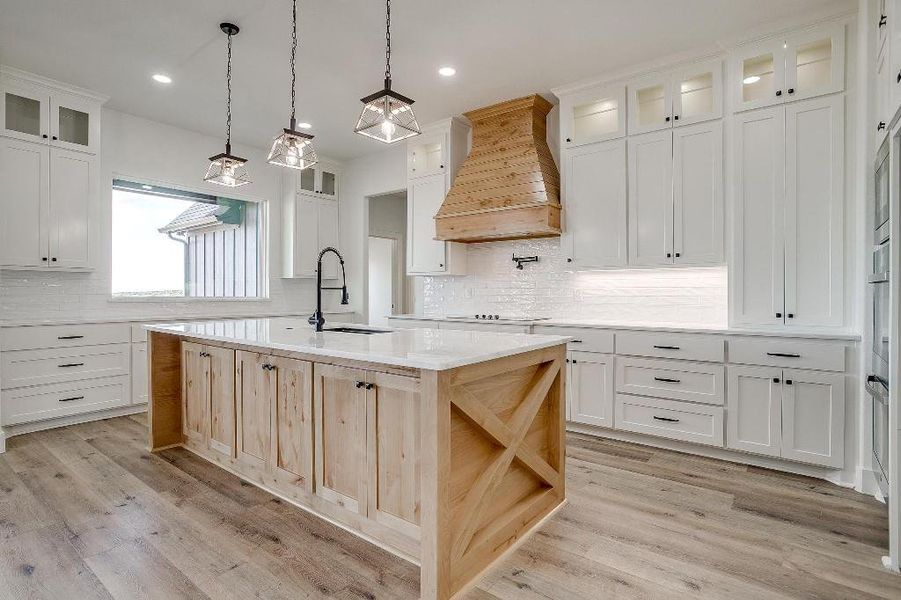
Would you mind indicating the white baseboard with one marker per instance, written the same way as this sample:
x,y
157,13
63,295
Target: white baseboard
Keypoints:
x,y
9,431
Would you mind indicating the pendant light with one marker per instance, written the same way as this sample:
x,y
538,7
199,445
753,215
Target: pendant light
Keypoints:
x,y
227,169
387,116
292,148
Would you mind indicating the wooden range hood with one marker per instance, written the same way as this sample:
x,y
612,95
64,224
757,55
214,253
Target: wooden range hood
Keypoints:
x,y
508,188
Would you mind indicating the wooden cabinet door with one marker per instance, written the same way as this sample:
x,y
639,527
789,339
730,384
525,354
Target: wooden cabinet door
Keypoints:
x,y
425,254
591,385
651,199
255,385
595,204
813,417
292,423
195,371
24,203
757,271
72,180
698,194
340,407
393,437
221,399
814,209
754,410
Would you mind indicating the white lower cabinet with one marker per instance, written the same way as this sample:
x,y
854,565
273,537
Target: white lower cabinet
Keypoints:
x,y
590,388
685,421
754,410
38,403
139,379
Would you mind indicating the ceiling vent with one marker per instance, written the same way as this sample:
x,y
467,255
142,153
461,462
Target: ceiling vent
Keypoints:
x,y
508,187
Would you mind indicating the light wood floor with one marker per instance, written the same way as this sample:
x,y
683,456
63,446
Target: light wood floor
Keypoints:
x,y
85,513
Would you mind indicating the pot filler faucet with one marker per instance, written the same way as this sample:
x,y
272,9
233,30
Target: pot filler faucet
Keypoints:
x,y
317,320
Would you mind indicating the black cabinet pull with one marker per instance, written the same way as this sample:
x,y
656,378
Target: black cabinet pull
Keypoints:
x,y
775,380
669,255
791,90
370,386
678,254
55,138
778,315
881,126
667,380
575,361
667,347
268,367
44,136
44,259
575,341
69,365
898,78
676,118
68,337
569,260
790,315
71,399
883,20
788,382
665,419
53,259
778,92
569,139
783,354
360,384
567,361
667,119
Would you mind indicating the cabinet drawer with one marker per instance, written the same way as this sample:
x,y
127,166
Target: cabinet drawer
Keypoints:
x,y
19,368
671,345
63,336
24,405
500,327
788,353
697,423
584,339
675,379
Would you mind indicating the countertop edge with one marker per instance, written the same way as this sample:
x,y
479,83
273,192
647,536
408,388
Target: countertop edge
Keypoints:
x,y
160,319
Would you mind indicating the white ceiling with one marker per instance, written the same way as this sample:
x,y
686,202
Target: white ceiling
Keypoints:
x,y
501,49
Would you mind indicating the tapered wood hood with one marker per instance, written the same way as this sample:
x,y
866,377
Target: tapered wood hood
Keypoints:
x,y
508,188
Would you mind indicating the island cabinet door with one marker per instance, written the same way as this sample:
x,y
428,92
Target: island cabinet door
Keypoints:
x,y
195,394
393,437
340,407
255,384
292,423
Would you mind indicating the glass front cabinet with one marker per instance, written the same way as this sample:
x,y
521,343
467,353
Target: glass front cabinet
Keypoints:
x,y
691,95
592,115
320,179
33,112
804,65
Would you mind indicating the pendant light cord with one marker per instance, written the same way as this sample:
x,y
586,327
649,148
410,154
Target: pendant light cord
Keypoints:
x,y
388,41
228,84
294,64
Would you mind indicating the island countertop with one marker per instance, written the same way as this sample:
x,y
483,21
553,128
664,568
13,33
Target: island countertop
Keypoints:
x,y
430,349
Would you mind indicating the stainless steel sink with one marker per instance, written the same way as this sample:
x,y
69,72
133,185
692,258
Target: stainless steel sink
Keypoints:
x,y
360,330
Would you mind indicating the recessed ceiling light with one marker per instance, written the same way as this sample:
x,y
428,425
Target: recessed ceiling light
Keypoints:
x,y
750,80
304,125
447,71
161,78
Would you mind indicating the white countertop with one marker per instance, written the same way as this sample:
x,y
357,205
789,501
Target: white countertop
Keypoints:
x,y
430,349
794,332
157,318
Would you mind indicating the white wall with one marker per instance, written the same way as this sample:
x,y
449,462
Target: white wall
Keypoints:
x,y
147,151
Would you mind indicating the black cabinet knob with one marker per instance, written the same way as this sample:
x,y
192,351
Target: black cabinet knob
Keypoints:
x,y
676,118
791,90
669,255
55,138
788,382
440,166
575,361
569,139
775,380
778,315
44,136
790,315
360,384
53,259
569,260
881,126
883,20
667,119
778,92
678,254
441,265
44,259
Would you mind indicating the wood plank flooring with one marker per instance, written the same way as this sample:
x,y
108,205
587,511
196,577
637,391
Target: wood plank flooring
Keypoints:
x,y
86,512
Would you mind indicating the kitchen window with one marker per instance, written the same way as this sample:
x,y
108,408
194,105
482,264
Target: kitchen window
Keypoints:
x,y
170,243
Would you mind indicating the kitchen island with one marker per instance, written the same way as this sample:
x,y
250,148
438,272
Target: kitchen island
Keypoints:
x,y
444,447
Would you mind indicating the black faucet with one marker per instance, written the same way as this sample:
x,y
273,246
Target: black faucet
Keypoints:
x,y
317,320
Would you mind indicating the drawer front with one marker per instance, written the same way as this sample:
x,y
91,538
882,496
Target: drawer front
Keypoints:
x,y
584,339
674,379
671,345
502,328
19,368
696,423
64,336
25,405
788,353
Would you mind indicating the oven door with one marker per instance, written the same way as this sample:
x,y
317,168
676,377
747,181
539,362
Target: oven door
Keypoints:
x,y
879,394
881,309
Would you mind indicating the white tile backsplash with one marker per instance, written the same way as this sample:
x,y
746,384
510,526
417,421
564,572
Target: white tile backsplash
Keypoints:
x,y
551,287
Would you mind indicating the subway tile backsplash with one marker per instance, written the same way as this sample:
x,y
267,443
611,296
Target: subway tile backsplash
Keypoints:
x,y
552,288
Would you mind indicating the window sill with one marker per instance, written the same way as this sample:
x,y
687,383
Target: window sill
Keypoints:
x,y
180,300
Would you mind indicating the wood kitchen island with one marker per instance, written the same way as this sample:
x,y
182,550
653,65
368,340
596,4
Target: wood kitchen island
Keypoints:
x,y
444,447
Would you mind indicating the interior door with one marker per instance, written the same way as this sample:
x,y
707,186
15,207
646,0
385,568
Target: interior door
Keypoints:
x,y
341,464
255,390
292,423
24,203
424,198
222,400
595,204
591,384
71,189
698,194
813,417
814,212
651,199
754,410
757,274
195,394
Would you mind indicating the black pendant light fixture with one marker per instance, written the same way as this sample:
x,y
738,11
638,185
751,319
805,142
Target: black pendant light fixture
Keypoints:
x,y
227,169
292,148
387,116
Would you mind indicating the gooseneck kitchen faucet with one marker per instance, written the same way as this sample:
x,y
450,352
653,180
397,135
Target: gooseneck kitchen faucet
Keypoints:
x,y
317,320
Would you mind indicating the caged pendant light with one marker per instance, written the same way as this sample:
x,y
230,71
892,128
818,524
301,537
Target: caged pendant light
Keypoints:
x,y
387,116
227,169
292,148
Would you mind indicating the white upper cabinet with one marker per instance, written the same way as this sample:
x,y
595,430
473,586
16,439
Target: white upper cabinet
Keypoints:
x,y
427,155
592,115
25,110
595,204
698,194
777,70
651,199
692,94
313,226
72,184
425,254
320,179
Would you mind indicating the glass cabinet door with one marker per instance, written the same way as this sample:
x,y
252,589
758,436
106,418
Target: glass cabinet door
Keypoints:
x,y
24,111
74,123
306,181
593,116
328,181
426,155
698,93
814,63
758,75
650,104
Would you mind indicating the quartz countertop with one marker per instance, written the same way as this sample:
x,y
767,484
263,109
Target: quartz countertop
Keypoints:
x,y
721,329
430,349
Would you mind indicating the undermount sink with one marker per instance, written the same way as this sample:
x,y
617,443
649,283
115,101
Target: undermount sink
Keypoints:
x,y
359,330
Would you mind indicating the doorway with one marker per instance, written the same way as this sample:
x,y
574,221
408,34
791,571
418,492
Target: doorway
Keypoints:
x,y
388,287
382,277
